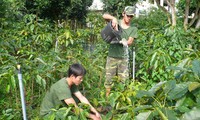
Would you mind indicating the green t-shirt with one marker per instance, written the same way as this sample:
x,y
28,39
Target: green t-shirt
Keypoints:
x,y
117,50
58,92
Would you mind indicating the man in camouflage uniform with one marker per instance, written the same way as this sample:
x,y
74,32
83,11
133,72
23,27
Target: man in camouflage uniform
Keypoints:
x,y
117,60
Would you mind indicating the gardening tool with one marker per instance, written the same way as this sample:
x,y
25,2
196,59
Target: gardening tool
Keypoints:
x,y
110,35
21,92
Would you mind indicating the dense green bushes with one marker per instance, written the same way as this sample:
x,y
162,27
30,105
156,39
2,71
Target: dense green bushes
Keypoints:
x,y
167,62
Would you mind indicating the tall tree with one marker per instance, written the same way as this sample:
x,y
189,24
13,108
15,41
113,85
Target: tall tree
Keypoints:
x,y
190,8
171,15
187,7
59,9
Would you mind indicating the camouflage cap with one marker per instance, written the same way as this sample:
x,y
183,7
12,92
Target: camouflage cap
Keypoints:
x,y
129,10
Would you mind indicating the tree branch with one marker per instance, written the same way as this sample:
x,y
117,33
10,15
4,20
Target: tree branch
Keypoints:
x,y
168,3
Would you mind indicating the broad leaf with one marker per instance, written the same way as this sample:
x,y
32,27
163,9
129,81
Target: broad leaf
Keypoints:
x,y
170,114
185,103
170,85
178,91
113,97
142,107
181,65
153,59
194,114
194,85
196,67
156,87
125,116
144,116
142,93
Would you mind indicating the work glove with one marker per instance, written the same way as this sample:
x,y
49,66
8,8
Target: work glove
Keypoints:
x,y
114,42
124,42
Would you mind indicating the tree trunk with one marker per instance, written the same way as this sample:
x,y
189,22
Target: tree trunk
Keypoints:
x,y
198,21
186,14
194,18
171,4
164,10
173,10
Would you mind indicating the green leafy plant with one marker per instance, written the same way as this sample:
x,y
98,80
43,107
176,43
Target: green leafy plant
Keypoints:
x,y
165,101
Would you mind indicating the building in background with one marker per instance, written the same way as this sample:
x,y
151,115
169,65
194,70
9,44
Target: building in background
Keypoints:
x,y
97,5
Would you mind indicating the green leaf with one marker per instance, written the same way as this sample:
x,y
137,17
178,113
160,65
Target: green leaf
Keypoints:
x,y
181,65
153,59
108,116
66,43
142,93
185,103
113,97
144,116
38,80
125,116
196,67
67,111
32,27
83,115
156,87
13,82
169,113
170,85
41,61
194,85
174,68
180,102
142,107
194,114
8,88
41,81
178,91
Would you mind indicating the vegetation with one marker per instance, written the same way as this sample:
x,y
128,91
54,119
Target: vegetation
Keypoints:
x,y
167,83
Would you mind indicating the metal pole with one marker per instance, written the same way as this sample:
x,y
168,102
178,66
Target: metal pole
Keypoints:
x,y
133,63
21,92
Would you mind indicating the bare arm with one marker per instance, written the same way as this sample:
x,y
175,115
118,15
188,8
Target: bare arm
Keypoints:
x,y
109,17
70,101
92,116
83,99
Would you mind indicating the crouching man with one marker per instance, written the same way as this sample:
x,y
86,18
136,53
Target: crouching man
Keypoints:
x,y
62,93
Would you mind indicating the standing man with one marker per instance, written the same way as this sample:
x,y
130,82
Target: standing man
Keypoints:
x,y
117,60
61,93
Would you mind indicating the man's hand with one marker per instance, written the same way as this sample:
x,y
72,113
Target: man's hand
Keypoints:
x,y
98,115
115,24
94,117
124,42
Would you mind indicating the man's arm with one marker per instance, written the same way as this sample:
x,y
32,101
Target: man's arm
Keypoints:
x,y
109,17
70,101
83,99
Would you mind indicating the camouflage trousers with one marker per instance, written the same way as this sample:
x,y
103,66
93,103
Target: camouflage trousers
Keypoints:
x,y
116,68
